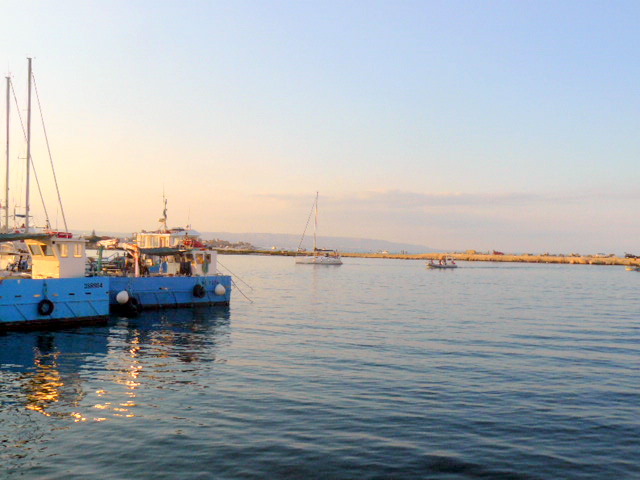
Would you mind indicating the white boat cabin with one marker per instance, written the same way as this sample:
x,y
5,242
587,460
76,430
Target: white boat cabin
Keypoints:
x,y
59,256
171,238
194,258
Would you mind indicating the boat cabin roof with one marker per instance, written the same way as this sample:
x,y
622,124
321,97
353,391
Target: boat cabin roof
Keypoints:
x,y
16,237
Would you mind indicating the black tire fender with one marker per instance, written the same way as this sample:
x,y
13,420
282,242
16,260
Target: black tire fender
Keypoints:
x,y
199,291
133,305
46,307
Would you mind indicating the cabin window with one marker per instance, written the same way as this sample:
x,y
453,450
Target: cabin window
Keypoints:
x,y
64,250
77,250
48,250
35,250
164,242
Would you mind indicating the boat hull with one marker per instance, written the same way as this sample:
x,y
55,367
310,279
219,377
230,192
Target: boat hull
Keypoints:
x,y
319,260
33,303
168,292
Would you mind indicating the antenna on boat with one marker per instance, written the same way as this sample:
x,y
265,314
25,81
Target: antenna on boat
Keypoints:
x,y
26,223
163,219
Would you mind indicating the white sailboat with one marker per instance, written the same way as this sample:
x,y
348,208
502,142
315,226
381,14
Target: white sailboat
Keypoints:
x,y
320,256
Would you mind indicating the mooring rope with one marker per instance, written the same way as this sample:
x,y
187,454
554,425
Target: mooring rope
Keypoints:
x,y
240,290
237,276
234,283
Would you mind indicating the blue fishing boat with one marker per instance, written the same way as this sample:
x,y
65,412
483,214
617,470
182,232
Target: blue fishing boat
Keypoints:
x,y
56,292
130,295
165,268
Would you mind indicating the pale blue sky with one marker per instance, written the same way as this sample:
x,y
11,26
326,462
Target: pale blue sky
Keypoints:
x,y
458,125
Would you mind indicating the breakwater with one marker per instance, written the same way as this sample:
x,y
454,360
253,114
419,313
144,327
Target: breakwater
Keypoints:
x,y
528,258
467,257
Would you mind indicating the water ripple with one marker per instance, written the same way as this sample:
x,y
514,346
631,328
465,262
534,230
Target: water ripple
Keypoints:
x,y
374,370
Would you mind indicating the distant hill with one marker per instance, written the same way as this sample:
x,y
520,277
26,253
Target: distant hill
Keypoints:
x,y
282,241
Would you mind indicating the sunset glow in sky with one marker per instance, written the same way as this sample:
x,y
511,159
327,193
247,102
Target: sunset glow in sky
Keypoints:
x,y
508,125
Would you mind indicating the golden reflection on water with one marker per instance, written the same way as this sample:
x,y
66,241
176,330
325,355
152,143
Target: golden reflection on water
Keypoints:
x,y
44,386
129,379
47,387
53,384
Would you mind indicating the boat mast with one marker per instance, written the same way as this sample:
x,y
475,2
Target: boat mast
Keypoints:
x,y
6,186
26,219
315,226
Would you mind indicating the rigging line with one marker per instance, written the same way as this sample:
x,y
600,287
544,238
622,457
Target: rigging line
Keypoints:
x,y
306,226
227,269
46,138
35,173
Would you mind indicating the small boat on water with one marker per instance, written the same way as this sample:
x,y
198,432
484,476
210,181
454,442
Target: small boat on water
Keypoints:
x,y
632,268
447,263
319,256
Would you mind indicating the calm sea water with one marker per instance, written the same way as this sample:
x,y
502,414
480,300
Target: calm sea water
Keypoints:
x,y
375,369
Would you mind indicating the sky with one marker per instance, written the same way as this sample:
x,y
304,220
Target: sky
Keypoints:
x,y
506,125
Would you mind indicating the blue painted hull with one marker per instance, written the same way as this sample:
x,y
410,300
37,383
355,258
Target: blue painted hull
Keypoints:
x,y
31,303
169,292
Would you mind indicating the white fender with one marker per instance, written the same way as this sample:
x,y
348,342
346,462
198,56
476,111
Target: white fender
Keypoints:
x,y
122,297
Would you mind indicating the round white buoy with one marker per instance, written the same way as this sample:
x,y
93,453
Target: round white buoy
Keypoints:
x,y
122,297
220,290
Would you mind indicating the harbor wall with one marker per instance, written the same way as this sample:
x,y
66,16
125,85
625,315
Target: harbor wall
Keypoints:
x,y
478,257
467,257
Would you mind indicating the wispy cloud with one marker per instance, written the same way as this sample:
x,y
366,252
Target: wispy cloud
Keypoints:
x,y
397,199
389,200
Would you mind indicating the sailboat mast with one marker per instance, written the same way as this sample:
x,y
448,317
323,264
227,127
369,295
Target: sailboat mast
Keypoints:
x,y
6,185
26,219
315,226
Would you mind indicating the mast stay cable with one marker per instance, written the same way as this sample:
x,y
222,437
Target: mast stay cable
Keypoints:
x,y
46,137
306,226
